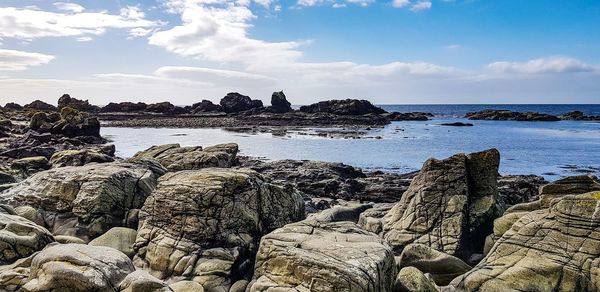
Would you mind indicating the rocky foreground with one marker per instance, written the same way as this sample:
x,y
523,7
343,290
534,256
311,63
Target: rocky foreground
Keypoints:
x,y
73,217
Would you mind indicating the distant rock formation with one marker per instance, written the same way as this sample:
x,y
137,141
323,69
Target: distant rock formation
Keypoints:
x,y
206,106
234,102
125,107
343,107
39,105
279,103
83,105
506,115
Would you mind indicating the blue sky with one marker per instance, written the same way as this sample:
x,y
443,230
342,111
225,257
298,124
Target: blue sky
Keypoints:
x,y
397,51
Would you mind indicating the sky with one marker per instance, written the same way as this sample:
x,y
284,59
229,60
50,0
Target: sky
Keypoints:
x,y
388,52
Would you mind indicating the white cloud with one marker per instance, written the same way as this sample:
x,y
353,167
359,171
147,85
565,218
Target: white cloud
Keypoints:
x,y
84,39
69,7
210,75
542,66
11,60
400,3
421,5
27,24
334,4
453,47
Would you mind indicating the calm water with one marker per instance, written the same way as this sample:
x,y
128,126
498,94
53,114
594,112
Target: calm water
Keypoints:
x,y
552,149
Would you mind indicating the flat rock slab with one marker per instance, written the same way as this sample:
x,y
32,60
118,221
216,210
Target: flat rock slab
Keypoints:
x,y
311,256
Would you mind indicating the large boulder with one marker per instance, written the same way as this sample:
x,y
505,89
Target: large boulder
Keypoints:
x,y
165,108
13,106
83,105
125,107
206,106
25,167
552,249
19,237
204,225
86,201
516,189
279,103
39,105
343,107
78,267
411,279
449,206
312,256
571,185
176,158
141,281
71,123
119,238
79,157
441,267
234,102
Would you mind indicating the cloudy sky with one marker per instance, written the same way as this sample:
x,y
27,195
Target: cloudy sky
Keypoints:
x,y
392,51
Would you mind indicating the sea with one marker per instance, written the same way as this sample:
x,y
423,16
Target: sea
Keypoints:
x,y
549,149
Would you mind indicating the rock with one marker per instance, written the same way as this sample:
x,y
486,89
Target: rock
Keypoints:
x,y
38,120
125,107
31,214
578,116
449,206
186,286
79,157
515,189
343,107
119,238
571,185
457,124
441,267
13,106
85,201
176,158
15,275
316,256
506,115
371,219
141,281
552,249
204,224
83,105
19,237
412,116
165,108
349,212
28,166
78,267
234,102
206,106
40,106
410,279
239,286
6,178
65,239
279,103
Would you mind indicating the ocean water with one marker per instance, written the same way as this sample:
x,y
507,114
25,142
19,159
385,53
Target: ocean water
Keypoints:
x,y
551,149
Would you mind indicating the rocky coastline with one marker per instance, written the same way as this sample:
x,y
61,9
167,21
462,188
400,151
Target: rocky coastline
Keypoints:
x,y
74,217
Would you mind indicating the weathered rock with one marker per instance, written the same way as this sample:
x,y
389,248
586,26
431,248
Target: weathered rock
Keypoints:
x,y
40,106
343,107
28,166
578,116
457,124
206,106
165,108
65,239
279,103
176,158
31,214
348,212
515,189
505,115
19,237
449,206
412,116
126,107
119,238
85,201
571,185
13,106
552,249
234,102
204,224
410,279
141,281
78,267
79,157
442,267
6,178
14,276
186,286
372,219
239,286
83,105
316,256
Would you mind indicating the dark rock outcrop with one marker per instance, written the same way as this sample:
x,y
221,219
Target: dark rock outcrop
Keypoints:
x,y
234,102
39,105
82,105
175,158
578,116
13,106
279,103
457,124
506,115
165,108
516,189
124,107
412,116
206,106
343,107
72,123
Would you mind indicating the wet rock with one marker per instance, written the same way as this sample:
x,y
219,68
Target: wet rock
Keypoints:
x,y
82,105
119,238
457,124
78,267
204,225
176,158
412,116
449,206
234,102
126,107
441,267
279,103
343,107
563,258
578,116
19,237
315,256
506,115
39,105
515,189
206,106
85,201
79,157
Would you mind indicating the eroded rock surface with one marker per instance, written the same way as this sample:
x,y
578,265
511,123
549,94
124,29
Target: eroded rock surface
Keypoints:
x,y
204,225
312,256
19,237
176,158
86,201
442,268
